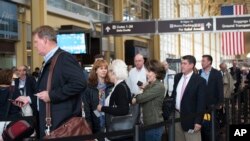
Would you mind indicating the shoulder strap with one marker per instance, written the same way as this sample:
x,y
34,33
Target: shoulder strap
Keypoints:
x,y
51,69
127,92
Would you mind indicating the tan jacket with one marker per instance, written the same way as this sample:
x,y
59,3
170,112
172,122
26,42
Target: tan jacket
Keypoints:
x,y
228,84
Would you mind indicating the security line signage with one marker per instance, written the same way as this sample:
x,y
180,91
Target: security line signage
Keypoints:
x,y
144,27
186,25
233,23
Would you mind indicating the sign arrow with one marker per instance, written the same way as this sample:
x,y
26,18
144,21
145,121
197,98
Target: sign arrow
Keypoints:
x,y
208,25
107,28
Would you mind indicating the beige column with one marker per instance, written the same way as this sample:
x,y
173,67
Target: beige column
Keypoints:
x,y
179,35
154,45
21,53
193,41
118,40
38,18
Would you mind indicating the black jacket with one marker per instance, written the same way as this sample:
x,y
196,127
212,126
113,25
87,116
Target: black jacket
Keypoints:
x,y
30,85
214,88
90,99
193,100
119,101
66,87
236,74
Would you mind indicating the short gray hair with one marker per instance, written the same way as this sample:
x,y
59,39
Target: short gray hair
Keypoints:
x,y
119,68
45,31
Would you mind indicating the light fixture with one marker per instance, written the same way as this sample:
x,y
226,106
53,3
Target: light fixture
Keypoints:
x,y
248,55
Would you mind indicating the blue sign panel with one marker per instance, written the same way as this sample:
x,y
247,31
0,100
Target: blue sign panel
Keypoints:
x,y
8,21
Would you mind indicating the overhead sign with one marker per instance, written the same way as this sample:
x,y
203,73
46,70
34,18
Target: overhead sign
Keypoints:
x,y
232,23
185,25
129,28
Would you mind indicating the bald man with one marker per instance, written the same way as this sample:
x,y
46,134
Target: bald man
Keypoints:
x,y
137,75
228,82
169,78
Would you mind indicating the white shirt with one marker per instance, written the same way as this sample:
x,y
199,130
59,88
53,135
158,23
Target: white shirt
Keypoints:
x,y
134,76
178,90
169,81
50,54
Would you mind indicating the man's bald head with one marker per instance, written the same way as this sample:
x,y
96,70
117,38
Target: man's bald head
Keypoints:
x,y
223,67
165,64
138,61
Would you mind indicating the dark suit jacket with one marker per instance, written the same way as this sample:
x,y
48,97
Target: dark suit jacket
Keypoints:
x,y
214,88
193,100
236,74
30,85
66,86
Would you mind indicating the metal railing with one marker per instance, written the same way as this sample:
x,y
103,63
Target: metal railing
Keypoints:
x,y
82,10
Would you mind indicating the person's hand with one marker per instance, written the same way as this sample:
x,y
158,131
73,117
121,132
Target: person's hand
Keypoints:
x,y
17,103
197,127
99,107
22,99
133,100
44,96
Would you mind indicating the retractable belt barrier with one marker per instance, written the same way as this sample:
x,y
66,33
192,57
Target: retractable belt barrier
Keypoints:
x,y
124,132
28,118
115,133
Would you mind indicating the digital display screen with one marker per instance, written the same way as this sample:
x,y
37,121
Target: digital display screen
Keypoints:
x,y
72,43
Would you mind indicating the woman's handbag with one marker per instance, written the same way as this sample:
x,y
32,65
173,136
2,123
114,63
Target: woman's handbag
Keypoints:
x,y
17,130
75,126
168,107
125,122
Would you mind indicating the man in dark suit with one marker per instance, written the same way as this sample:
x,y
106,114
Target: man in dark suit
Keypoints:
x,y
66,85
214,90
25,87
190,99
236,74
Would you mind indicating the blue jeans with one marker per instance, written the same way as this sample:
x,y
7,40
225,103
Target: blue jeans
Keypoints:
x,y
154,134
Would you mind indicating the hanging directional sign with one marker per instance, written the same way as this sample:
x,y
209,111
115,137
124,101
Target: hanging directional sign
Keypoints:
x,y
186,25
233,23
128,28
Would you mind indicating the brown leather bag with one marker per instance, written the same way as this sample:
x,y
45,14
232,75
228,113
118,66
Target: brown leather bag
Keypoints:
x,y
75,126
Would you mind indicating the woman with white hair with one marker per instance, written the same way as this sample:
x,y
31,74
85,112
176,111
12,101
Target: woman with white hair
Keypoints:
x,y
117,103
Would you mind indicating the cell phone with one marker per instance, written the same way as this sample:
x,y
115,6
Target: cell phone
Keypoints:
x,y
139,83
11,100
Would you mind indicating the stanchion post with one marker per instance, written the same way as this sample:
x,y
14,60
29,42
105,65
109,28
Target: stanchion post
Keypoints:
x,y
171,129
227,118
137,132
233,99
213,124
239,109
